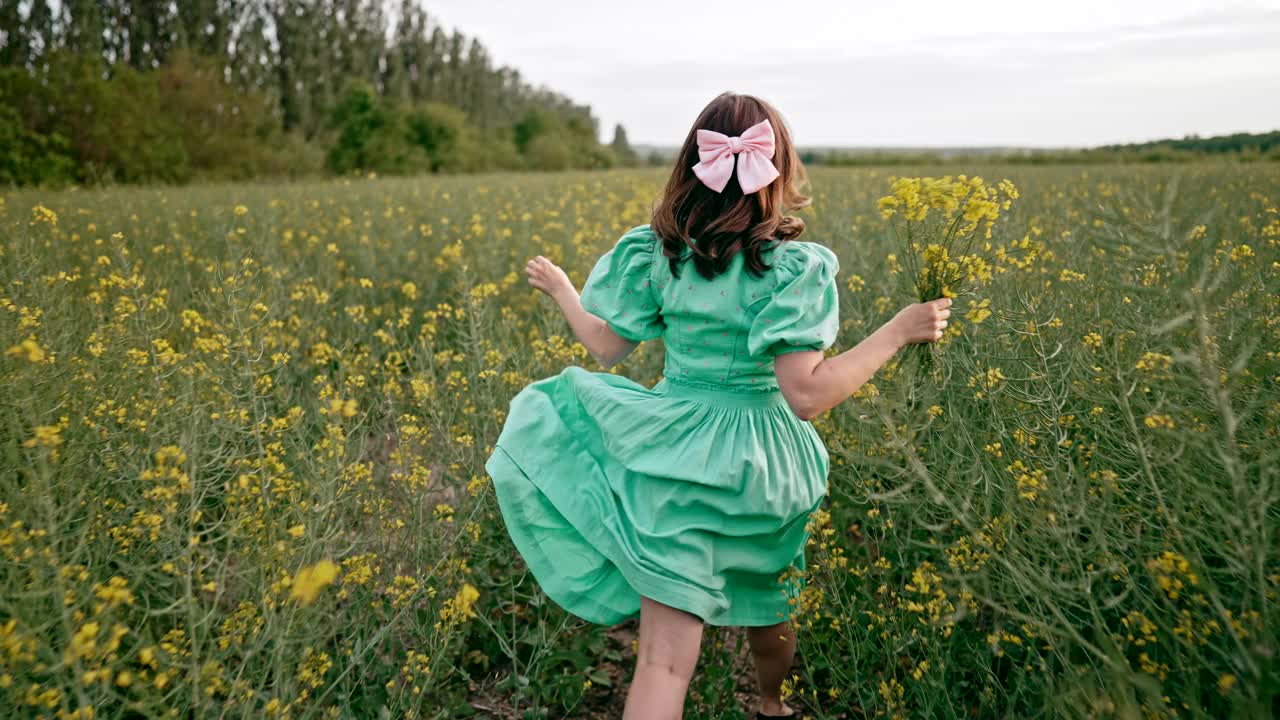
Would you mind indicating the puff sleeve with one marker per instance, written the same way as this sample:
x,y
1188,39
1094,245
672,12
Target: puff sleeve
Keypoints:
x,y
619,289
803,312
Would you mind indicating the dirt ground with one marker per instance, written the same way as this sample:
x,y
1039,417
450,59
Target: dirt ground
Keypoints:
x,y
606,703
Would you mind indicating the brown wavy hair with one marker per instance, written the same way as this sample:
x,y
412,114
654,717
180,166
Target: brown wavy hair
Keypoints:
x,y
715,226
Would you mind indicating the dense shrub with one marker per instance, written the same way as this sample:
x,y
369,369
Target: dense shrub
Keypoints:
x,y
31,158
78,120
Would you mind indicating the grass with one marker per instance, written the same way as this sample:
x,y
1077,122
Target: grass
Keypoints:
x,y
210,392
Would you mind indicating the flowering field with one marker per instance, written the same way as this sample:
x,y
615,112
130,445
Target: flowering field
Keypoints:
x,y
242,431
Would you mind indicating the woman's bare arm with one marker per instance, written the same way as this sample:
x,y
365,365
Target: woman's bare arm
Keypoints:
x,y
813,384
606,346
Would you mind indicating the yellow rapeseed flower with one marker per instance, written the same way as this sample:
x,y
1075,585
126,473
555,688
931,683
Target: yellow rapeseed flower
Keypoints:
x,y
310,580
461,605
42,214
978,311
28,350
1241,253
45,436
342,408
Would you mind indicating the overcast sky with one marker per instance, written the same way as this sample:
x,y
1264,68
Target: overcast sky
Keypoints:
x,y
902,73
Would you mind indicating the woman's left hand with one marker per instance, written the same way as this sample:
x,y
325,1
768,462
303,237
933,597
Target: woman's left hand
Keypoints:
x,y
548,277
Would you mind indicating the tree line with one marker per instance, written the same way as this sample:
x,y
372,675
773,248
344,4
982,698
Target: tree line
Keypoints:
x,y
153,90
1242,147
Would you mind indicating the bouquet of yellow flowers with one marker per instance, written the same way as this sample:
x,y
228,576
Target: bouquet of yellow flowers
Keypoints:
x,y
944,227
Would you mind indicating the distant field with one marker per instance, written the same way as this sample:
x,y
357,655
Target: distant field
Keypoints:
x,y
242,431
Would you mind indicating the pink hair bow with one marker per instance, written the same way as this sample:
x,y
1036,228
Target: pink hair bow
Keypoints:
x,y
754,149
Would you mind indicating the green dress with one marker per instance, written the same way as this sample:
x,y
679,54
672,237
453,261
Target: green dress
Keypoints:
x,y
696,492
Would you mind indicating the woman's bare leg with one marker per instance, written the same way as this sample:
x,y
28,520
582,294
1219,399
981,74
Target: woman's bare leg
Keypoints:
x,y
773,648
667,652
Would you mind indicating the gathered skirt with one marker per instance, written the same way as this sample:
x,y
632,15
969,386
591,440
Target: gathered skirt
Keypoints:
x,y
693,495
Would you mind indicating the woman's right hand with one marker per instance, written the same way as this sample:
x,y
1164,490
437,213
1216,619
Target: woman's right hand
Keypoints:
x,y
922,322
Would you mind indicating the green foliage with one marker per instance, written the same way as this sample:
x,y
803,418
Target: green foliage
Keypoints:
x,y
372,135
623,153
169,92
1241,147
182,120
170,125
116,129
551,151
225,133
120,127
1235,143
456,146
442,133
31,158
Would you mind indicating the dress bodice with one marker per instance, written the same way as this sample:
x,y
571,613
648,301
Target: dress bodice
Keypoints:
x,y
720,332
